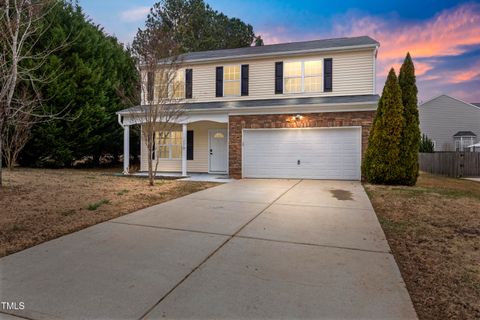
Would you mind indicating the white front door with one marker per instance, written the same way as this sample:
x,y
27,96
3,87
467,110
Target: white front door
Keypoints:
x,y
217,148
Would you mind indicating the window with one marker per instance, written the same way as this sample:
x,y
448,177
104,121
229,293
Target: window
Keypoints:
x,y
462,143
179,85
231,80
303,76
293,77
161,88
169,145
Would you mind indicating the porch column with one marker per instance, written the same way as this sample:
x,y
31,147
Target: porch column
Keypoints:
x,y
184,149
126,149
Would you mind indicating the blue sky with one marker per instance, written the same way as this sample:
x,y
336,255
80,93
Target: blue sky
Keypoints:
x,y
442,36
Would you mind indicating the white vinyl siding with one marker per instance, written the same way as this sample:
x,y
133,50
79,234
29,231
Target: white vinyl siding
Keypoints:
x,y
352,75
200,150
442,117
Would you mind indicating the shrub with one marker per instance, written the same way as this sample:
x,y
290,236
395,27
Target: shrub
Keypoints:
x,y
411,131
381,164
426,145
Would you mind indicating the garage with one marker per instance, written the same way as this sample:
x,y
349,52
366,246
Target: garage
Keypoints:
x,y
302,153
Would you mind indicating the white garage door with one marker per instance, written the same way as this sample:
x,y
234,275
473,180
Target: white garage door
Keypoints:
x,y
310,153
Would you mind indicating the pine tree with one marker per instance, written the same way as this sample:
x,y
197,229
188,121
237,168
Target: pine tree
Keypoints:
x,y
411,130
87,77
426,145
381,164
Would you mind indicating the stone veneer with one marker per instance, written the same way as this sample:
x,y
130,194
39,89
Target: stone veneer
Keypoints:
x,y
309,120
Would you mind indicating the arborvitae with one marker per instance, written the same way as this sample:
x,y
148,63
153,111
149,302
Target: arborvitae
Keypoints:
x,y
411,130
426,145
381,164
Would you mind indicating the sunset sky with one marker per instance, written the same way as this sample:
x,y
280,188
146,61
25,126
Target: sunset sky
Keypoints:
x,y
443,37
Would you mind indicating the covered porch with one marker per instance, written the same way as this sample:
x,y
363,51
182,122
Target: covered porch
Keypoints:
x,y
197,144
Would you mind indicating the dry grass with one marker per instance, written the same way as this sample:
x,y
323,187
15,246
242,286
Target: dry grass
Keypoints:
x,y
40,205
434,232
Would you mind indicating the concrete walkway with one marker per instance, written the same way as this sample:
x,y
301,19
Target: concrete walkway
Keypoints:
x,y
247,249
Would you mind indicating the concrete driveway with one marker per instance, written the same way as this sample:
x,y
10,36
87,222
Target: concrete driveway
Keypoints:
x,y
247,249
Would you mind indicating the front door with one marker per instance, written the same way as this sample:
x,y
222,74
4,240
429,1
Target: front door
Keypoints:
x,y
217,145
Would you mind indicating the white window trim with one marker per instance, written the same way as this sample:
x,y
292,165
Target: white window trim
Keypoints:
x,y
239,81
462,146
169,145
302,77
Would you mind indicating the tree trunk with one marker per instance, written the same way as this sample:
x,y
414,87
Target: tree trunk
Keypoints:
x,y
1,157
150,170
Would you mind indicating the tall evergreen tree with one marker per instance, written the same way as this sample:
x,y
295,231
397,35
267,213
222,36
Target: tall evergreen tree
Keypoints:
x,y
411,131
86,78
195,26
381,164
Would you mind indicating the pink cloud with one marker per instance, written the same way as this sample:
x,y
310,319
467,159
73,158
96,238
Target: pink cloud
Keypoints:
x,y
466,75
446,34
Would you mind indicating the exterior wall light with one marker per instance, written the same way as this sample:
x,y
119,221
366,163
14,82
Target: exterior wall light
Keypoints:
x,y
297,117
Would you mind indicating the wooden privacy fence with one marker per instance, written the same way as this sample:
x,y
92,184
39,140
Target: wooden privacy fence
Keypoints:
x,y
452,164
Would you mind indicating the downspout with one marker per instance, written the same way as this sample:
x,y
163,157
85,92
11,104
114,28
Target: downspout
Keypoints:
x,y
120,122
375,52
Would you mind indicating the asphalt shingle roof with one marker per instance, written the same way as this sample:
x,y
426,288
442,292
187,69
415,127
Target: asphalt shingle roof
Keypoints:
x,y
269,103
464,134
324,44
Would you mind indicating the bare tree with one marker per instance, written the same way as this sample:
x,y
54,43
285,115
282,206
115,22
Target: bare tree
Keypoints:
x,y
18,125
162,93
22,25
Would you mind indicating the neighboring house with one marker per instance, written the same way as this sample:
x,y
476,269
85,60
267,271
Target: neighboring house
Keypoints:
x,y
292,110
450,123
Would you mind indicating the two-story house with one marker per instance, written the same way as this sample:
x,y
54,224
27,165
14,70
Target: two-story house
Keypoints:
x,y
292,110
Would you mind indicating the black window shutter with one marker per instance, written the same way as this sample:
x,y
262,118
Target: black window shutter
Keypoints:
x,y
150,82
154,147
188,83
327,74
219,82
244,79
279,77
190,145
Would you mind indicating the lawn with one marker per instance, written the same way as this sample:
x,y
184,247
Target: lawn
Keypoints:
x,y
40,205
434,232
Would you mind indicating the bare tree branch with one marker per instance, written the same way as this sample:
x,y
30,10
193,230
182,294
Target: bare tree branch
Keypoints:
x,y
22,25
158,65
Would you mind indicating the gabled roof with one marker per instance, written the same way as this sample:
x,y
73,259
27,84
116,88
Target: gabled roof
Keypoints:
x,y
283,48
475,105
464,134
269,103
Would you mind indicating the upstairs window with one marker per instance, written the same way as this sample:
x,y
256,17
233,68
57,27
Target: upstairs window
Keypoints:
x,y
179,85
231,80
292,75
161,86
303,76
